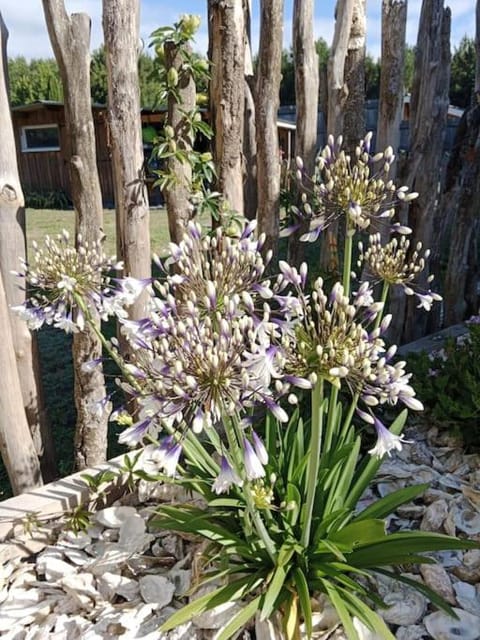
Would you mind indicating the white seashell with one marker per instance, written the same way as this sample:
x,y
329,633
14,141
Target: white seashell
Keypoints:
x,y
156,590
412,632
438,579
467,521
113,517
468,596
405,607
434,516
78,540
182,579
364,633
54,569
440,626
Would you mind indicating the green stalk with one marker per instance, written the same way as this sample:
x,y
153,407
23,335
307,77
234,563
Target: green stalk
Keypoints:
x,y
347,260
313,460
235,437
383,298
192,447
348,418
332,409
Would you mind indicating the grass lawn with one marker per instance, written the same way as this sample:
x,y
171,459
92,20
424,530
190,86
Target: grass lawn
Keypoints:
x,y
55,346
42,222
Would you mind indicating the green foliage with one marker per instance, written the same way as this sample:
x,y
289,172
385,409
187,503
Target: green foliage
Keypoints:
x,y
448,383
409,66
372,78
35,80
47,200
182,143
346,545
462,73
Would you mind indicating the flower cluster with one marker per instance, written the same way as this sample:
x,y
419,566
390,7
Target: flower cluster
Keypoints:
x,y
343,186
204,352
59,275
393,264
337,341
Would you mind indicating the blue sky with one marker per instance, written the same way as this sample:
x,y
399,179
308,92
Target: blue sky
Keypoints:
x,y
28,35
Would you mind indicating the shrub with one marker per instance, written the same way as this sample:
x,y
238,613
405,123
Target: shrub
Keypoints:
x,y
448,383
47,200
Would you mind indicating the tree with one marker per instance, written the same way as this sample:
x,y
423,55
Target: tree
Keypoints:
x,y
12,249
390,108
460,207
429,107
462,78
306,90
16,444
354,109
121,33
249,126
337,88
227,55
70,38
267,103
35,80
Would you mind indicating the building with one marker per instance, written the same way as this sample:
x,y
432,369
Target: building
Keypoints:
x,y
43,152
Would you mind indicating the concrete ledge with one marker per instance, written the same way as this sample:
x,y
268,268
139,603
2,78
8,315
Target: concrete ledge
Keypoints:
x,y
51,500
433,341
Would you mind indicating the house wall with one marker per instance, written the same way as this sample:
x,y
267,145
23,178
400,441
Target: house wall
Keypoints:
x,y
48,170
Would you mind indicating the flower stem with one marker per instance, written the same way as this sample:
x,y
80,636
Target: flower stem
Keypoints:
x,y
383,298
314,459
347,260
332,410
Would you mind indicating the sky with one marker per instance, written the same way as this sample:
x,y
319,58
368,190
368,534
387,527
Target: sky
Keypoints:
x,y
28,34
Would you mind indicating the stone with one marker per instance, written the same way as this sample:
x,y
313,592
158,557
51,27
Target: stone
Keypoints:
x,y
441,626
132,534
112,517
111,584
434,516
467,520
182,579
55,569
469,570
436,577
156,590
78,540
217,617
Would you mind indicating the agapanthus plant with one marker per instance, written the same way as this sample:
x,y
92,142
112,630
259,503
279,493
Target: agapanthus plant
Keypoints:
x,y
219,370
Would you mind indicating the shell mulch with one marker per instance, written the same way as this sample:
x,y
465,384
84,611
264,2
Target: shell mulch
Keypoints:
x,y
121,580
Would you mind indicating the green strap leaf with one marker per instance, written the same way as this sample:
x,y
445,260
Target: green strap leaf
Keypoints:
x,y
388,504
422,588
239,620
232,591
343,613
360,533
304,598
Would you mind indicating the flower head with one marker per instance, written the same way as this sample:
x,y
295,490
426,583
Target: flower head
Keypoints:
x,y
354,186
226,478
394,264
386,441
253,467
58,275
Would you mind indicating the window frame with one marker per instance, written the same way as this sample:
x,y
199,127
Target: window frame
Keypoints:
x,y
23,138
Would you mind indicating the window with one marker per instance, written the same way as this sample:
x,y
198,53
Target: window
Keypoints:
x,y
44,137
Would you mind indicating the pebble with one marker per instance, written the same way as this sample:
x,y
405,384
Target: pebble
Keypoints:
x,y
118,580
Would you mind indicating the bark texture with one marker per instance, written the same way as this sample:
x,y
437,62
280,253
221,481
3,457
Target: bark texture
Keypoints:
x,y
121,33
227,50
461,279
429,108
305,60
12,248
267,102
354,117
394,24
249,126
16,444
70,38
337,88
177,194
